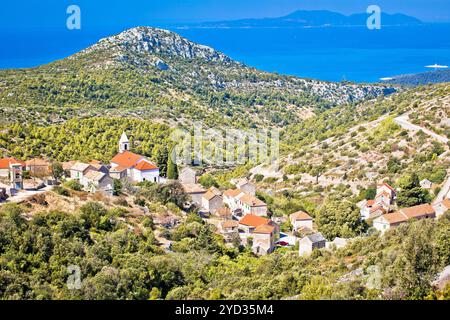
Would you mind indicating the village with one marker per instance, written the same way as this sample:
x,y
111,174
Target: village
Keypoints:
x,y
239,216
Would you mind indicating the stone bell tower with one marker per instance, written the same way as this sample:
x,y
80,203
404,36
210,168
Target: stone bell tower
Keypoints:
x,y
124,143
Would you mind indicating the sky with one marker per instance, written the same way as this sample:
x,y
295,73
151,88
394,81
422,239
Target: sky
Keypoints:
x,y
102,14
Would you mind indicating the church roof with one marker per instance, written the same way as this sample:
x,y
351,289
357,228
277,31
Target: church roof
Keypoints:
x,y
126,159
145,165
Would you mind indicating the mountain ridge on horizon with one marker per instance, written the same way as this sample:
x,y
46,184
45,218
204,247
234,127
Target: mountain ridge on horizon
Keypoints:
x,y
308,18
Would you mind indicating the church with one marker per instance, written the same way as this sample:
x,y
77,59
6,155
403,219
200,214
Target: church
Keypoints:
x,y
135,167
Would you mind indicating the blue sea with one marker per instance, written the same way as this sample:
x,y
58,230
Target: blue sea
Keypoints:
x,y
328,53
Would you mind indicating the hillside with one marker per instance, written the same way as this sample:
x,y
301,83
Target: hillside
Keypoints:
x,y
156,74
348,150
123,254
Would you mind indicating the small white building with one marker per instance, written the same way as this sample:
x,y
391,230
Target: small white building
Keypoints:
x,y
212,200
237,199
94,181
252,205
263,239
231,198
426,184
79,169
245,185
194,190
310,242
300,220
188,175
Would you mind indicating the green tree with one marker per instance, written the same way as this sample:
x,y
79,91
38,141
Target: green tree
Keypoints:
x,y
411,193
57,170
208,181
117,187
172,169
339,218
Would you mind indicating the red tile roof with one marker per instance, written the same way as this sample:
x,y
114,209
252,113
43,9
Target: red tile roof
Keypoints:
x,y
252,201
408,213
232,192
211,193
229,224
37,162
418,211
145,165
446,203
300,215
264,229
395,217
126,159
253,221
387,185
5,162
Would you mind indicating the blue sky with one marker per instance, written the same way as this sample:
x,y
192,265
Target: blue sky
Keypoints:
x,y
102,14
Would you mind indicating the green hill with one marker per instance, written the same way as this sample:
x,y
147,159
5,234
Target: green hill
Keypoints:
x,y
156,74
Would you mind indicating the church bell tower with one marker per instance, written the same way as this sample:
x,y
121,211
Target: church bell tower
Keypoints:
x,y
124,143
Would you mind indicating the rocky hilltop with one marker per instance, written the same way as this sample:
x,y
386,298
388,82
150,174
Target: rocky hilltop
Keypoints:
x,y
144,40
158,74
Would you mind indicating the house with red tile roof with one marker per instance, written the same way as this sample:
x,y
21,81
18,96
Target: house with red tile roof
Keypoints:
x,y
384,200
237,199
384,189
5,166
138,168
389,220
250,222
263,239
263,232
301,219
38,167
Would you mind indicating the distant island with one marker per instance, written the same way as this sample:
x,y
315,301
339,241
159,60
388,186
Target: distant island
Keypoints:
x,y
303,18
418,79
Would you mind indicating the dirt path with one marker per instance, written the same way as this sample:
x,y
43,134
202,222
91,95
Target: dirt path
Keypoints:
x,y
444,190
405,124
